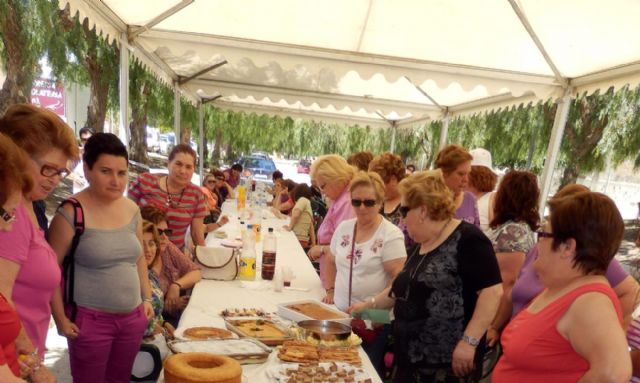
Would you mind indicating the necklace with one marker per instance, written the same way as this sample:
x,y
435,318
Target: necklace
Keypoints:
x,y
170,201
412,274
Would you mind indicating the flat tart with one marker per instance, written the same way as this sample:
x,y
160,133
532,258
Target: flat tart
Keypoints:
x,y
303,352
207,333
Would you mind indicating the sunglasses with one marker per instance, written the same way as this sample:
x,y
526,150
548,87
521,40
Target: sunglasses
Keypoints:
x,y
51,171
6,216
166,232
366,202
543,234
404,210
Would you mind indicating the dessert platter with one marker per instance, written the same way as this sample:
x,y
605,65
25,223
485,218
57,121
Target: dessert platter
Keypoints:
x,y
318,372
220,234
303,352
204,332
235,313
266,331
312,309
245,351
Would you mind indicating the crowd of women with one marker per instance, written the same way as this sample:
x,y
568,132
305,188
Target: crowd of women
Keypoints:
x,y
460,267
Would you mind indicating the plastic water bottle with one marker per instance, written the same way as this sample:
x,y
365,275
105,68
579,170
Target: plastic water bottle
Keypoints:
x,y
247,270
269,251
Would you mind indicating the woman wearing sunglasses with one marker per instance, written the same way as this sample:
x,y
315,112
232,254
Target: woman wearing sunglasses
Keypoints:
x,y
175,272
14,182
366,254
448,291
572,331
29,271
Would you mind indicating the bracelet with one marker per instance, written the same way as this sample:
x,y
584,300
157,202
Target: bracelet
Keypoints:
x,y
329,290
147,300
321,250
471,341
373,302
177,284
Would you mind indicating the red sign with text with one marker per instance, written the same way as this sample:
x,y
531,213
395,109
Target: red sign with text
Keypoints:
x,y
47,94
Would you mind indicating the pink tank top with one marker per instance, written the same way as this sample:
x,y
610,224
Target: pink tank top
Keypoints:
x,y
534,350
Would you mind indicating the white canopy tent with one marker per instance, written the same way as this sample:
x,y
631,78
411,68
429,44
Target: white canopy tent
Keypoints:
x,y
377,62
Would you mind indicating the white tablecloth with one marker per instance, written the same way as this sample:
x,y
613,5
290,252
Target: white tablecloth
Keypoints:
x,y
209,298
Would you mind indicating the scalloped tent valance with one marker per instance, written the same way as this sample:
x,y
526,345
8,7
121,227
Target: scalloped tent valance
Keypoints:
x,y
367,60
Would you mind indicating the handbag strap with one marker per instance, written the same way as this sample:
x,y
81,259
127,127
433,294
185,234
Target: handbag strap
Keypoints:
x,y
353,254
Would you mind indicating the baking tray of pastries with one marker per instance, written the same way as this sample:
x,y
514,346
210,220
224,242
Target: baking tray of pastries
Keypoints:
x,y
266,331
245,351
312,309
318,372
203,333
304,352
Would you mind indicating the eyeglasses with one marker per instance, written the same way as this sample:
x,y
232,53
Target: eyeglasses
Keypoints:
x,y
220,178
211,181
6,216
166,232
404,210
366,202
51,171
543,234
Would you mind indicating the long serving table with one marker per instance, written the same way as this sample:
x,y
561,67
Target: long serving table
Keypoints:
x,y
209,297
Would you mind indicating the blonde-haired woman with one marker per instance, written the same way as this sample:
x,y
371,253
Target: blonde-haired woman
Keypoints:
x,y
448,291
332,175
455,163
367,253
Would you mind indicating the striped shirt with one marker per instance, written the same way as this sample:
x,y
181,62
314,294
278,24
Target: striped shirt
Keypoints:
x,y
180,212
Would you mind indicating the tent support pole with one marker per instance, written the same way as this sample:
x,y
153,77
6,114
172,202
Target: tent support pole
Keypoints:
x,y
203,141
124,90
394,128
176,113
559,123
444,132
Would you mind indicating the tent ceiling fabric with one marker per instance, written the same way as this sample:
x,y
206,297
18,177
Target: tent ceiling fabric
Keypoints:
x,y
360,58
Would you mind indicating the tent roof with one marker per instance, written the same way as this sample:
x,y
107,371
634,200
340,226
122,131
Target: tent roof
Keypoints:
x,y
358,60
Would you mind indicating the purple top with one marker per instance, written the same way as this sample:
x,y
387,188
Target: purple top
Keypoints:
x,y
528,285
468,210
339,211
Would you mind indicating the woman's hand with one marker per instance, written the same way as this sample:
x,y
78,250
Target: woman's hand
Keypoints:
x,y
43,375
462,362
357,307
223,220
328,298
286,227
493,336
68,329
172,298
315,253
170,329
148,310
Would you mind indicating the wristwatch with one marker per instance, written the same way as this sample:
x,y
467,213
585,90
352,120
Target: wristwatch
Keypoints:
x,y
471,341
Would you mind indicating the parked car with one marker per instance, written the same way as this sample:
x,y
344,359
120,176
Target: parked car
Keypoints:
x,y
166,143
258,167
303,166
153,139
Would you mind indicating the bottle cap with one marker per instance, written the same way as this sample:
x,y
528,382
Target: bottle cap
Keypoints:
x,y
270,230
249,226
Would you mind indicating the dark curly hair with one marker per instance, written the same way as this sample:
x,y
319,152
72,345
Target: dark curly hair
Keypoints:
x,y
517,200
388,165
360,160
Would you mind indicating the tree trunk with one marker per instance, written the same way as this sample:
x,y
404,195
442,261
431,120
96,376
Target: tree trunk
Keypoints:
x,y
583,141
138,127
205,151
215,157
20,65
97,109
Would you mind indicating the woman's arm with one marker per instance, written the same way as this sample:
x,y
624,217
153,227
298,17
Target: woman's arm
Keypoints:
x,y
382,299
60,236
330,275
486,306
286,205
6,375
295,216
500,320
197,231
312,234
209,227
230,192
592,327
627,292
143,275
172,297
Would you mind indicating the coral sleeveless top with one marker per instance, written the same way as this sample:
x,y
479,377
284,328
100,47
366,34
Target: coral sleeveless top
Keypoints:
x,y
534,350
